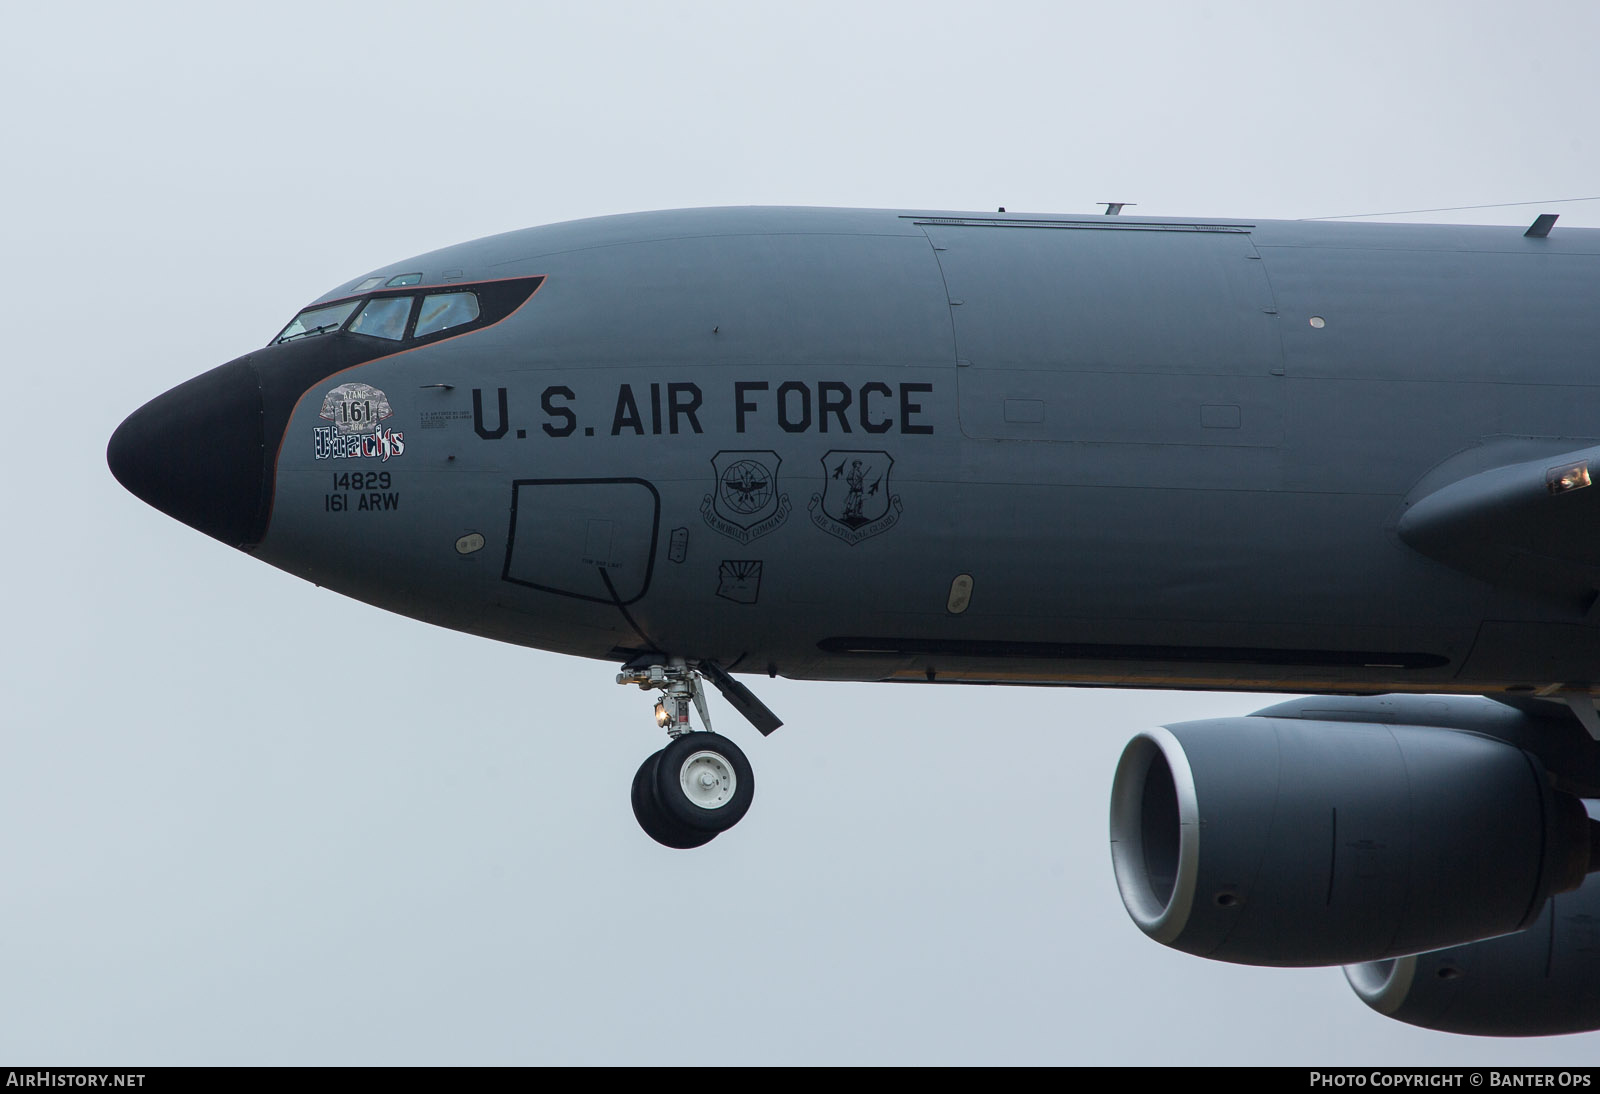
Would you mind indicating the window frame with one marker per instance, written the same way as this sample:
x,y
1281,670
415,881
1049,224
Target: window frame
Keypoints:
x,y
405,329
497,299
416,316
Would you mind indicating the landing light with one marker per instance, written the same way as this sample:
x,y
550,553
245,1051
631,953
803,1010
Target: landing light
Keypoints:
x,y
1573,476
662,717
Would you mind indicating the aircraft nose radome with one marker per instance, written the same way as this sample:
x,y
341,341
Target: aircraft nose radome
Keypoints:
x,y
197,453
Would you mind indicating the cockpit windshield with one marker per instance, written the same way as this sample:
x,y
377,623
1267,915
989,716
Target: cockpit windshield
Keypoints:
x,y
425,316
441,311
385,317
317,320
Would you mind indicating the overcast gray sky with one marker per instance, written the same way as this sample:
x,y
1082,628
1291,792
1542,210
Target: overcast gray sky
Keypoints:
x,y
245,820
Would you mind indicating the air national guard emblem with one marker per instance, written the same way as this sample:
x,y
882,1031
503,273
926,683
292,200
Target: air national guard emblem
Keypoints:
x,y
855,503
745,503
356,408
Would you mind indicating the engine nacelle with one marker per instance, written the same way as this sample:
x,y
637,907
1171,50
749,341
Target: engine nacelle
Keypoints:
x,y
1540,981
1285,841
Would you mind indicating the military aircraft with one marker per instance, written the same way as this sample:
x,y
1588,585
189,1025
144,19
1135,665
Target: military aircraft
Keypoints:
x,y
1345,460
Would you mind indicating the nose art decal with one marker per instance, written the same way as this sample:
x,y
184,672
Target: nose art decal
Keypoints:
x,y
357,412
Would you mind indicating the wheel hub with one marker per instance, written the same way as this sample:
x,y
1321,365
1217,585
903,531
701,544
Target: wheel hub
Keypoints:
x,y
708,780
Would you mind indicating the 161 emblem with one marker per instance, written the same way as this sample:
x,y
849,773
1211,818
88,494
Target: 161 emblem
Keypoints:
x,y
357,411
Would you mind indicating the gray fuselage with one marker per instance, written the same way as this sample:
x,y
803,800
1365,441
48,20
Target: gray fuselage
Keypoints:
x,y
877,445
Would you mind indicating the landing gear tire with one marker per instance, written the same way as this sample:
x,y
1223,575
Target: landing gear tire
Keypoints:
x,y
654,820
703,782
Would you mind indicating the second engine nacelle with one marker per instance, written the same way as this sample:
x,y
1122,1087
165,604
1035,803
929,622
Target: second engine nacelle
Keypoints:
x,y
1539,981
1283,841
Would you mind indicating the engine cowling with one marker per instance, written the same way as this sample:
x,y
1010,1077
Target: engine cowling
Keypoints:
x,y
1540,981
1285,841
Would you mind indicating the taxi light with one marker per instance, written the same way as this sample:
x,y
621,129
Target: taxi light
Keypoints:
x,y
1572,476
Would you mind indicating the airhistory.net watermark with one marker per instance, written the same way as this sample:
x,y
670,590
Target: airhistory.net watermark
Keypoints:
x,y
46,1078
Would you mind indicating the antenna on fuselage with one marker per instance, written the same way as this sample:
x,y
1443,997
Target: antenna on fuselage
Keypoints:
x,y
1114,208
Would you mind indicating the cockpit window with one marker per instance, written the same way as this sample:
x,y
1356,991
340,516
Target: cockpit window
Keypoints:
x,y
401,280
442,311
313,321
384,317
369,283
436,311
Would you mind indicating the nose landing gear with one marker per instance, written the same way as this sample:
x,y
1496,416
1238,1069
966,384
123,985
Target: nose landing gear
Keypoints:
x,y
700,784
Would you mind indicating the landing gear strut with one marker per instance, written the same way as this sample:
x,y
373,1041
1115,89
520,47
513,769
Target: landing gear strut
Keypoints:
x,y
700,784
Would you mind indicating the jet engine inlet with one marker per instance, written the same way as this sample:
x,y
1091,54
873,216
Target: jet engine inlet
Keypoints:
x,y
1272,841
1154,834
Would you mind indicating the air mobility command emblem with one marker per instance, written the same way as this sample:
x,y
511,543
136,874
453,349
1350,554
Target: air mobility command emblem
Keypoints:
x,y
745,504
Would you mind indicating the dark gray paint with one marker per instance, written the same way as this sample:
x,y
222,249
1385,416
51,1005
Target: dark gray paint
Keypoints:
x,y
1189,462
